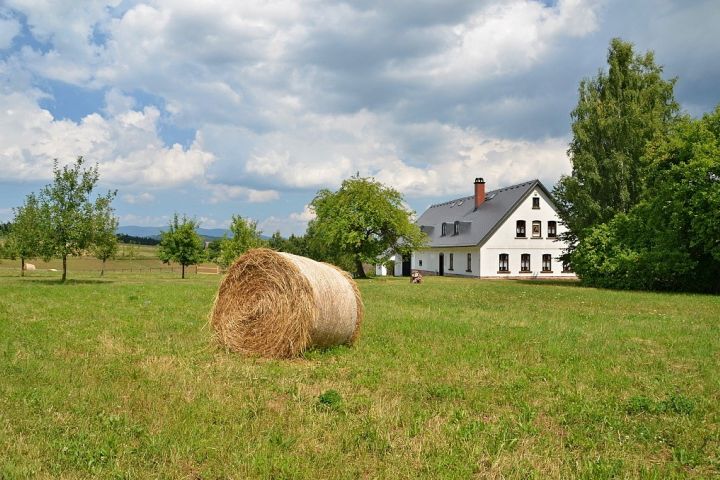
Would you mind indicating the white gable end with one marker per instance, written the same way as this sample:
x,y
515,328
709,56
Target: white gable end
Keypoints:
x,y
536,243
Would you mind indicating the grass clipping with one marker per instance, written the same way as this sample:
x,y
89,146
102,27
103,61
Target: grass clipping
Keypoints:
x,y
275,304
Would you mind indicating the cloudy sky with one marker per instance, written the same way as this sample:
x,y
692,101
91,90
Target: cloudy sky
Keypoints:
x,y
213,108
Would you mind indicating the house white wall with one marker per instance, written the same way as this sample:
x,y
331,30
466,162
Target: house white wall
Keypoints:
x,y
427,260
504,240
397,259
485,259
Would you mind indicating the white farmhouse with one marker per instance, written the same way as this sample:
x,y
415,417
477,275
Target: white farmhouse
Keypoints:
x,y
509,232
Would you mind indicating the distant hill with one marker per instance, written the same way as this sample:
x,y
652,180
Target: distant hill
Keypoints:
x,y
154,232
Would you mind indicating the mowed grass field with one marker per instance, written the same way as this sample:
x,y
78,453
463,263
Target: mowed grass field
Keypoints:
x,y
117,378
129,259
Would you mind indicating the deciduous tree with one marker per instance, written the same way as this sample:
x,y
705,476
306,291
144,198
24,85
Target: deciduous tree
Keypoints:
x,y
181,243
617,113
671,239
24,240
105,241
364,220
245,235
67,213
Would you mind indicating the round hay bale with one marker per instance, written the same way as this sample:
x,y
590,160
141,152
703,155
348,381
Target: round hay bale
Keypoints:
x,y
276,304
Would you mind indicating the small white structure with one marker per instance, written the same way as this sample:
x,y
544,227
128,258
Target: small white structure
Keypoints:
x,y
508,232
382,271
29,266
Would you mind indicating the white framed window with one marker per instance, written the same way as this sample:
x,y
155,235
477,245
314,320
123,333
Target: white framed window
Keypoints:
x,y
547,262
504,264
469,263
552,229
520,229
536,203
450,266
525,262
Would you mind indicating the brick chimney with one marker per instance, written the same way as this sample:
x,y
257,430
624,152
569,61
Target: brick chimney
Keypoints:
x,y
479,192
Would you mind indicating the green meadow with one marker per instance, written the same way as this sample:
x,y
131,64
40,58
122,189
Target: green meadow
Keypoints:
x,y
117,378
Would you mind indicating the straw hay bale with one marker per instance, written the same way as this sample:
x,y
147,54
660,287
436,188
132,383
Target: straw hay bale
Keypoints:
x,y
275,304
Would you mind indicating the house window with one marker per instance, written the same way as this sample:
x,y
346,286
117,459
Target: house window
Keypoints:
x,y
420,262
537,229
552,229
469,263
566,267
547,262
456,228
451,262
520,229
443,229
536,202
504,263
525,262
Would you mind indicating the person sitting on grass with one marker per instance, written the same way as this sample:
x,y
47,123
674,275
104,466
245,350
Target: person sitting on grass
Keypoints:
x,y
416,277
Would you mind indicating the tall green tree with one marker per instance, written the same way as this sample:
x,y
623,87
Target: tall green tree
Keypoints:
x,y
364,220
105,241
25,236
245,235
671,239
617,113
181,243
213,251
277,242
68,213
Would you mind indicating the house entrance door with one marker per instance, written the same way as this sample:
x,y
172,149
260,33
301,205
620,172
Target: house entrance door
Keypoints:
x,y
406,266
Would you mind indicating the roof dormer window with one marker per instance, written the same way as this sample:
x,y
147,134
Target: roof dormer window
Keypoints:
x,y
443,229
456,228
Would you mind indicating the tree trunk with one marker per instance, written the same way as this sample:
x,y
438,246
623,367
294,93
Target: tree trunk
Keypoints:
x,y
64,268
183,271
359,270
22,266
102,269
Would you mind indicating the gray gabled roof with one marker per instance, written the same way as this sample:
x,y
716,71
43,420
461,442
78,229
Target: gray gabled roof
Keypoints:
x,y
476,226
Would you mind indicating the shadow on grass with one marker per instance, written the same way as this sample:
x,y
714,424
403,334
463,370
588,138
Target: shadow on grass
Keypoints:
x,y
69,281
555,282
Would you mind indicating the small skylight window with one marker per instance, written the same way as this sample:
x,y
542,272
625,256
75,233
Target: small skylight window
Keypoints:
x,y
452,204
460,202
491,196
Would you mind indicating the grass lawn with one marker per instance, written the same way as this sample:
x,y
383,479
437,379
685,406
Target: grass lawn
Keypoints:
x,y
129,259
116,378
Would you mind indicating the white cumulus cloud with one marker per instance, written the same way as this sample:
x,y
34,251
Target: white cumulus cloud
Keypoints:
x,y
126,146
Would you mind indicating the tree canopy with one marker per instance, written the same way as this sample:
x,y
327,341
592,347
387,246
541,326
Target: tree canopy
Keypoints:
x,y
617,113
365,221
245,235
181,243
68,215
671,239
25,235
105,241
